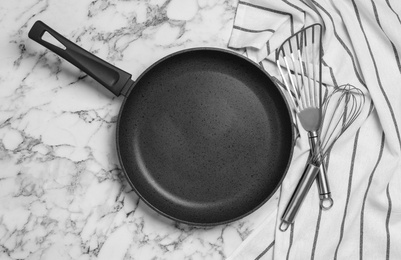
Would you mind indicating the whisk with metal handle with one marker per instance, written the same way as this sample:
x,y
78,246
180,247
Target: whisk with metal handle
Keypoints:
x,y
325,116
340,109
301,56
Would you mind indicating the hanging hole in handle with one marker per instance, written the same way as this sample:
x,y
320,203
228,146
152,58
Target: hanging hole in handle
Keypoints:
x,y
284,226
47,37
326,203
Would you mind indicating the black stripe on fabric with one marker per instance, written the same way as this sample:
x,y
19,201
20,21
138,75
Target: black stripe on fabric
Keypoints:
x,y
295,6
351,173
333,78
270,10
316,233
389,5
268,48
366,195
376,14
388,222
291,240
390,108
371,108
342,43
397,59
298,9
265,251
251,30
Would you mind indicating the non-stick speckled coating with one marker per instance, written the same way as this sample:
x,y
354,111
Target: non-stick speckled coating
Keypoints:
x,y
205,137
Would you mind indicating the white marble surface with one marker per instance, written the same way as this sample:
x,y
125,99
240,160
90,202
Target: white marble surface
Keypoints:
x,y
62,192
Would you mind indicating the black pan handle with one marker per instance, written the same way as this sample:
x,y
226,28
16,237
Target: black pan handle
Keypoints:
x,y
113,78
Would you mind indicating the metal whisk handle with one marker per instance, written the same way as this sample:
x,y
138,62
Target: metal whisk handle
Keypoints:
x,y
326,202
299,195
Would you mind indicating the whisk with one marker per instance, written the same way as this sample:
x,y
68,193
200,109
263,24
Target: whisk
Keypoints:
x,y
301,54
340,109
325,116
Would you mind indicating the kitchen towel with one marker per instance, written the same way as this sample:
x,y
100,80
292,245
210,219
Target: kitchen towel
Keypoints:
x,y
361,46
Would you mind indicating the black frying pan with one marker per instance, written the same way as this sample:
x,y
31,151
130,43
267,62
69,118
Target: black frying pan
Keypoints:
x,y
204,136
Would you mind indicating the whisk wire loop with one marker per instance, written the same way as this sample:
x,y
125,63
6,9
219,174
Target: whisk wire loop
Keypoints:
x,y
340,109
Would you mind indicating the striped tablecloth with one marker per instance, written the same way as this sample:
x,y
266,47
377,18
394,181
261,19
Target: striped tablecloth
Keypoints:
x,y
362,47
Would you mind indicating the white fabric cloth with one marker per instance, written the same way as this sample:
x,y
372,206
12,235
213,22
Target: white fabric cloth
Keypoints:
x,y
362,47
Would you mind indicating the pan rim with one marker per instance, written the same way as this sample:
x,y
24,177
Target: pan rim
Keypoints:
x,y
291,129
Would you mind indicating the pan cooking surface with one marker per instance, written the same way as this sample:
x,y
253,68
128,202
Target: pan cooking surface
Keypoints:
x,y
205,137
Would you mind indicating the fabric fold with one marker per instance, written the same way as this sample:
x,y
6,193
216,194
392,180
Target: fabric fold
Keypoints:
x,y
361,46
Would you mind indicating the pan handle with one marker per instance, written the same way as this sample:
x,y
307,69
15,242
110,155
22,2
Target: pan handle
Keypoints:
x,y
113,78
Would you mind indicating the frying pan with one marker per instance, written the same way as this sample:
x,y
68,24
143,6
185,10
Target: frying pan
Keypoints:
x,y
204,136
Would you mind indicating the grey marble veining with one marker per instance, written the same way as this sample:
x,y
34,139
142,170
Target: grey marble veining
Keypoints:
x,y
63,194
